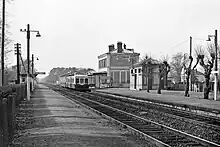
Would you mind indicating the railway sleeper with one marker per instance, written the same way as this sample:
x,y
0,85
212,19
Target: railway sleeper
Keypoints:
x,y
194,144
184,141
153,132
151,129
135,123
145,127
174,138
148,127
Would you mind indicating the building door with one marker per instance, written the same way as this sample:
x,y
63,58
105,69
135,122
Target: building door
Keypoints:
x,y
162,83
135,81
150,83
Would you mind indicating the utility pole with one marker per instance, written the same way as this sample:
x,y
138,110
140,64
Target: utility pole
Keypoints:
x,y
190,54
216,66
188,71
216,63
33,72
28,56
3,41
17,47
32,64
28,62
28,49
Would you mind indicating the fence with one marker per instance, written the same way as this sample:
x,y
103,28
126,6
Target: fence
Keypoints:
x,y
10,97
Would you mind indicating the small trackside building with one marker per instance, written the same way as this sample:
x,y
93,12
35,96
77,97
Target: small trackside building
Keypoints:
x,y
116,64
144,74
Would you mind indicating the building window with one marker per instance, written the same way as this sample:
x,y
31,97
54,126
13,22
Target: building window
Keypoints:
x,y
77,80
155,80
111,74
103,63
145,80
132,71
128,77
139,70
81,81
123,76
116,76
86,81
135,71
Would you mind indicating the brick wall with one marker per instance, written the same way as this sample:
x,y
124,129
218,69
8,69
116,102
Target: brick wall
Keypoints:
x,y
118,60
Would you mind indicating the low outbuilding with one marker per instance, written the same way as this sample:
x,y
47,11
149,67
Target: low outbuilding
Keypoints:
x,y
144,74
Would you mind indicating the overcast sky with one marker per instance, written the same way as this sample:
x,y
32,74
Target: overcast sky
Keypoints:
x,y
75,32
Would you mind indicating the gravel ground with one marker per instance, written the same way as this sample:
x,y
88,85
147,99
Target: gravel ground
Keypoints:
x,y
29,119
201,130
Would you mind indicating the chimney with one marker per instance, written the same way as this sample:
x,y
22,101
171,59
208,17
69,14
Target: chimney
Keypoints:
x,y
111,47
119,47
124,46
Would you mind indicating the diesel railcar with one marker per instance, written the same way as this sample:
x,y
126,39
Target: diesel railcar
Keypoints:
x,y
75,81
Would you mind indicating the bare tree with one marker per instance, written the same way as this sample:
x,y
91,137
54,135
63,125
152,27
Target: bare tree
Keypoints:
x,y
188,72
147,68
206,60
165,59
7,41
164,69
177,64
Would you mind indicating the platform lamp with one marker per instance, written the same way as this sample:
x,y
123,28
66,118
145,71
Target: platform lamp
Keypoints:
x,y
28,56
216,63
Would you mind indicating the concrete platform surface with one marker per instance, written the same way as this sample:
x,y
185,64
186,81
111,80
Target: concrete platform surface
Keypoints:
x,y
53,120
167,96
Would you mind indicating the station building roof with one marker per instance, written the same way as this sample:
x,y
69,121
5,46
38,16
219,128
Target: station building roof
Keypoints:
x,y
147,61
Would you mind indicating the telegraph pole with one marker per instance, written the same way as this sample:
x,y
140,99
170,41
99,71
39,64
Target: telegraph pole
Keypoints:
x,y
32,64
3,41
28,62
32,72
17,47
216,66
190,54
28,49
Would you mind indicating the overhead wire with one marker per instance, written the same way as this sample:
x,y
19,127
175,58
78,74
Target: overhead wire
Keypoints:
x,y
180,43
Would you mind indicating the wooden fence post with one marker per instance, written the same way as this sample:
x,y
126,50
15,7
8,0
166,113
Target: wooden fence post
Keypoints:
x,y
1,122
11,115
5,122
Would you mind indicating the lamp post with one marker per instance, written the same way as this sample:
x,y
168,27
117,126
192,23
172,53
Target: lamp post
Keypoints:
x,y
216,63
28,56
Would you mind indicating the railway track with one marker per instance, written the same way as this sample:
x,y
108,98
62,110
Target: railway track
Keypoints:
x,y
208,120
157,133
201,129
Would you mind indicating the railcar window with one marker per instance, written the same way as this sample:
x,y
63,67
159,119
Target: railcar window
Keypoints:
x,y
77,80
81,81
86,81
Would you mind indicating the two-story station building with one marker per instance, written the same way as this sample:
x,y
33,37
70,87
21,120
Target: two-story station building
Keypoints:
x,y
116,64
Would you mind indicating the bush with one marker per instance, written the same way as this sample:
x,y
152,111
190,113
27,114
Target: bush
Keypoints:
x,y
11,96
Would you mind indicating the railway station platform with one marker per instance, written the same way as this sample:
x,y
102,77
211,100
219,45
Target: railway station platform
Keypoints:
x,y
50,119
173,98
